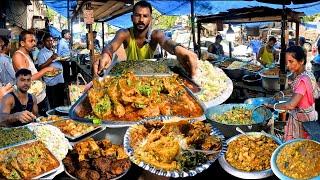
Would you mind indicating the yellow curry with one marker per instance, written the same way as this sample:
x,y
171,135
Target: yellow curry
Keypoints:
x,y
300,160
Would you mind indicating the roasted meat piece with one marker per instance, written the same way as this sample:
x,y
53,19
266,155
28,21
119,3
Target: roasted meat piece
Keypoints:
x,y
87,174
81,173
102,164
84,165
68,163
93,175
120,166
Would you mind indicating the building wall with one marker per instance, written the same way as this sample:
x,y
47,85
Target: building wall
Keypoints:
x,y
16,13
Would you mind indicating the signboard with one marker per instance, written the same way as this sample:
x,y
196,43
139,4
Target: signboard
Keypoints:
x,y
88,16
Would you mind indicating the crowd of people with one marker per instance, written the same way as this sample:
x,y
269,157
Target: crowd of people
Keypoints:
x,y
36,60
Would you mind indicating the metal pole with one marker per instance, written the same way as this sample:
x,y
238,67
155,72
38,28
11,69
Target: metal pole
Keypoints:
x,y
68,8
102,35
297,33
198,33
283,75
192,26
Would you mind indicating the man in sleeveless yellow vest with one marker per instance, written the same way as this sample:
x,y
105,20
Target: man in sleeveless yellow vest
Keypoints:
x,y
139,45
267,53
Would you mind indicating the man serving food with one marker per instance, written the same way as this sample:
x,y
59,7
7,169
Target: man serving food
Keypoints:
x,y
140,43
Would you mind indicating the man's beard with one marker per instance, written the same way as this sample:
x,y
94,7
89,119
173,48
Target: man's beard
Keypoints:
x,y
139,26
22,89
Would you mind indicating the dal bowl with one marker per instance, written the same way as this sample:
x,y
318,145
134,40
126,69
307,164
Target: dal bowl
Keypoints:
x,y
297,159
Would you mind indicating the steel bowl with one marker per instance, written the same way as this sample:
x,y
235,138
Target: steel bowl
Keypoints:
x,y
260,119
272,82
115,135
244,174
260,101
265,100
275,154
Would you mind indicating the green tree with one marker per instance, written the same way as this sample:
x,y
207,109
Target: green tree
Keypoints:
x,y
162,21
310,18
50,14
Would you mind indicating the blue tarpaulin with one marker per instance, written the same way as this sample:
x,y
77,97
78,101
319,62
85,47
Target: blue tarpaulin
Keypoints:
x,y
206,7
182,7
61,6
54,32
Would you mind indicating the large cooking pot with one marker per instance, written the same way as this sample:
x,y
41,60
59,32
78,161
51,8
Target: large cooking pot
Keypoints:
x,y
252,80
260,117
234,73
271,82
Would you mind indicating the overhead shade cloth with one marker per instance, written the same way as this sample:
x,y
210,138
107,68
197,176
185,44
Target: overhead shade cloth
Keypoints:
x,y
61,6
54,32
123,21
209,7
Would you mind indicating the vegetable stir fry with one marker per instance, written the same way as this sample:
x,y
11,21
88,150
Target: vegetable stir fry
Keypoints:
x,y
237,115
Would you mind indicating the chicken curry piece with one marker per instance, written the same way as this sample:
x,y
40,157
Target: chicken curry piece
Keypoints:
x,y
26,161
131,98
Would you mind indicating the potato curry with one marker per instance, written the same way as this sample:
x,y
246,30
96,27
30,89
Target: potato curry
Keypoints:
x,y
251,153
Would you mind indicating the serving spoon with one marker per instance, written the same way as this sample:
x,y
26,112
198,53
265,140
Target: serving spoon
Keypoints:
x,y
242,132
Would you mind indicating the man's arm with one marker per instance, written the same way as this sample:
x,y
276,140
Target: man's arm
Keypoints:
x,y
259,54
35,106
19,62
9,69
7,119
43,62
186,57
108,51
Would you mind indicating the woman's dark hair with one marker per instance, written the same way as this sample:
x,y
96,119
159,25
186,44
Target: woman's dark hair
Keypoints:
x,y
298,53
23,72
144,4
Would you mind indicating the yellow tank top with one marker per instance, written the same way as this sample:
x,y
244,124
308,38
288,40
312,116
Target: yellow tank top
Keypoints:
x,y
134,52
267,57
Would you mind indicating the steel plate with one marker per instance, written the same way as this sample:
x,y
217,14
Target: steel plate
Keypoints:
x,y
175,174
244,174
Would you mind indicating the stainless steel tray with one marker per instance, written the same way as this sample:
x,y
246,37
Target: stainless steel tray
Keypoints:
x,y
21,142
48,173
82,107
45,173
48,122
174,173
135,65
72,138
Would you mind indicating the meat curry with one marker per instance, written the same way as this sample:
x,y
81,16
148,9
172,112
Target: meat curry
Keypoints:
x,y
131,98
